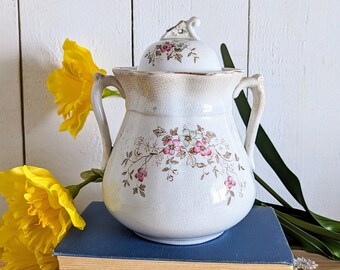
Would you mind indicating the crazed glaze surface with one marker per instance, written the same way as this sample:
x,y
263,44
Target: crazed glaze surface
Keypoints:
x,y
180,50
178,172
179,55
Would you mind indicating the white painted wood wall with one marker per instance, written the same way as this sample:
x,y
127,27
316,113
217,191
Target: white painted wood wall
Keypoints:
x,y
294,44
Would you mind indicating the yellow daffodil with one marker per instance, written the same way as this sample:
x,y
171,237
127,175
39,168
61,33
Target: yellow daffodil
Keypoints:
x,y
18,255
40,211
71,85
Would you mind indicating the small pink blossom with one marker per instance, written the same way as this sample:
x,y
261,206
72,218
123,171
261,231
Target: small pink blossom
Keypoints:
x,y
230,182
202,148
140,174
166,47
172,146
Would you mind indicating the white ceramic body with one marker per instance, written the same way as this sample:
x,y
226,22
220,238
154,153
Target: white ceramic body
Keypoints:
x,y
178,172
179,55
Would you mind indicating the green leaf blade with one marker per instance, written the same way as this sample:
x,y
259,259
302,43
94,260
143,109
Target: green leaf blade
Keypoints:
x,y
307,241
227,61
271,191
333,245
264,144
108,92
303,229
316,230
327,223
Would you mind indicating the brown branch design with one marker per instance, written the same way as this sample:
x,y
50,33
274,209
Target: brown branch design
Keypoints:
x,y
197,148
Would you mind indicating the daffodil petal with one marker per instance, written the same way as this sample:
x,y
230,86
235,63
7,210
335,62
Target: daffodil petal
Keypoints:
x,y
71,86
40,211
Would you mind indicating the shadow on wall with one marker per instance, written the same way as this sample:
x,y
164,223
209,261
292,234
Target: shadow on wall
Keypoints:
x,y
38,101
11,153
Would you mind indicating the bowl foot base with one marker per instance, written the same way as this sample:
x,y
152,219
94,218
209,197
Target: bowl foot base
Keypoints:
x,y
180,241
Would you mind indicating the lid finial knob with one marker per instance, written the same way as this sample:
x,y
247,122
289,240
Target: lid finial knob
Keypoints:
x,y
183,29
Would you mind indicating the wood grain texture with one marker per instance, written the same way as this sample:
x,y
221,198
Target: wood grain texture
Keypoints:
x,y
323,262
11,152
295,46
105,28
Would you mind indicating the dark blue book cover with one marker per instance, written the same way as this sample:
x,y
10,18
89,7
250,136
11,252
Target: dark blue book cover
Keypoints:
x,y
257,239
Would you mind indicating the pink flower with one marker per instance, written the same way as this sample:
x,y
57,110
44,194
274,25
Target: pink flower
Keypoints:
x,y
202,148
172,146
140,174
166,47
230,182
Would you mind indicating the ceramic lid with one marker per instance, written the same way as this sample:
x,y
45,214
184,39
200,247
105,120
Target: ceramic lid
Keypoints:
x,y
180,50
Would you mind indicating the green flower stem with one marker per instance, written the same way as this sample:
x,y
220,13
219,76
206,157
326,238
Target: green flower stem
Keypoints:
x,y
84,183
74,189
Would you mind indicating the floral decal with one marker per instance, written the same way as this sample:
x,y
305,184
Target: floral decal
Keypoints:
x,y
188,137
172,50
202,148
172,147
140,174
197,148
230,183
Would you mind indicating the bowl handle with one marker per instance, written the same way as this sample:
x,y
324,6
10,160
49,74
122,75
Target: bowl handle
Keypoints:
x,y
255,84
100,83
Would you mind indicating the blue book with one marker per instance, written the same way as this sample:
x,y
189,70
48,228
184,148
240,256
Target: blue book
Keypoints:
x,y
257,242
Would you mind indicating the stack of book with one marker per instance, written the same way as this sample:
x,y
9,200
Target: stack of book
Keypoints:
x,y
257,242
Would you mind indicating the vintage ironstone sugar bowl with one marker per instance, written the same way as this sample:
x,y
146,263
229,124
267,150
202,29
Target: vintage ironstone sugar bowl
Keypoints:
x,y
178,172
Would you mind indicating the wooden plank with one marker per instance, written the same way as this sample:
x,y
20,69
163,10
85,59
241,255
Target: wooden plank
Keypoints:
x,y
105,28
11,143
295,45
323,262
